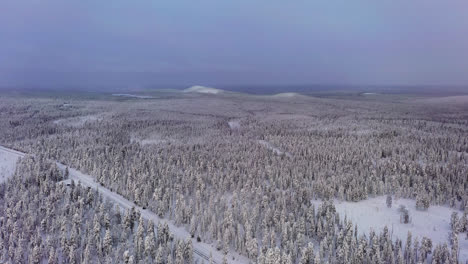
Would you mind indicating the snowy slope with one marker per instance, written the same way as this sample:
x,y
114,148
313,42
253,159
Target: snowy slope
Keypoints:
x,y
8,159
374,214
78,121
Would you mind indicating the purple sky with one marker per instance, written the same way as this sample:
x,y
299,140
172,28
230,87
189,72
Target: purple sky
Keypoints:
x,y
145,42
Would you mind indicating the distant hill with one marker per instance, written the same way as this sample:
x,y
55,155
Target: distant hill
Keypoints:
x,y
203,89
285,95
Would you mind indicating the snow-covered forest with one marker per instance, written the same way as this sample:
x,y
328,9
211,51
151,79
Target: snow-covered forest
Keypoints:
x,y
47,221
260,179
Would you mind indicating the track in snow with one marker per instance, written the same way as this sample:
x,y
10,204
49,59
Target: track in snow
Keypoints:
x,y
8,160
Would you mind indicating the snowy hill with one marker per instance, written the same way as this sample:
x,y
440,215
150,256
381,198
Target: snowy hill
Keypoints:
x,y
203,89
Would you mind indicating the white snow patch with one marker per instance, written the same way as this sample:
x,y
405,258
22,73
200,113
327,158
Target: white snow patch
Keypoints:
x,y
152,139
8,161
78,121
234,124
369,93
202,89
134,96
271,147
374,214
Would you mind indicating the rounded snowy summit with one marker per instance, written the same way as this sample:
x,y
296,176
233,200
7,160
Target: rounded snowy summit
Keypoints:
x,y
202,89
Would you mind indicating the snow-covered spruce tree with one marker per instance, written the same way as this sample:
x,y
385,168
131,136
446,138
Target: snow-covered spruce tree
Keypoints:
x,y
422,201
389,201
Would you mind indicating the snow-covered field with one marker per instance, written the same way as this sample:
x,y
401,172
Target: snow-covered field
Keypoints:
x,y
234,124
151,139
374,214
78,121
8,161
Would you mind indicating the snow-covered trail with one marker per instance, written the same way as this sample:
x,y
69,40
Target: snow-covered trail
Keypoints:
x,y
202,250
20,154
8,159
276,150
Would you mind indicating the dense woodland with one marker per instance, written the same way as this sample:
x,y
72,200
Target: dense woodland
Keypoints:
x,y
46,221
182,160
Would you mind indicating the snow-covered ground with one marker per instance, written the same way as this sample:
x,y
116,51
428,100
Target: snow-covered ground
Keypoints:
x,y
271,147
374,214
134,96
8,159
78,121
234,124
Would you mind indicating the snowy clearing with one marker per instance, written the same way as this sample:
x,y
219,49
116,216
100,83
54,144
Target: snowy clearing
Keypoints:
x,y
361,132
203,89
134,96
78,121
8,159
374,214
271,147
152,139
234,124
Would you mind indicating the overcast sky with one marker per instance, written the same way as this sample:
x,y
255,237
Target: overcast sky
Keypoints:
x,y
234,42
